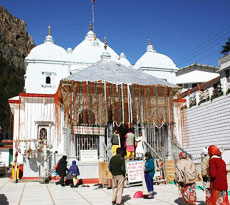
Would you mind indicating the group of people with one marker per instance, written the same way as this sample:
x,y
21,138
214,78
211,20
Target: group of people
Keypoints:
x,y
62,170
117,169
214,175
131,147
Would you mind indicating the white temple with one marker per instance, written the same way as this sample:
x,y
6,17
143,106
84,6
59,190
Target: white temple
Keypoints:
x,y
35,113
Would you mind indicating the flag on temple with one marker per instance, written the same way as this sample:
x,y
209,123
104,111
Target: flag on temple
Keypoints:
x,y
93,1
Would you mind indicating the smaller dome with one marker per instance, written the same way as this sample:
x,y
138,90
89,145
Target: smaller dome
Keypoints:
x,y
123,60
90,36
152,59
69,50
105,55
69,55
47,51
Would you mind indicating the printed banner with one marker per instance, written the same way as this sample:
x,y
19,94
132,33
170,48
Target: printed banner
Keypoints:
x,y
134,171
84,130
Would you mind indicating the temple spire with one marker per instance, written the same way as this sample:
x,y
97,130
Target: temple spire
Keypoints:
x,y
149,43
105,43
49,30
90,26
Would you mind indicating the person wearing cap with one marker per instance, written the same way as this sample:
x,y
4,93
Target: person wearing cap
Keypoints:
x,y
205,165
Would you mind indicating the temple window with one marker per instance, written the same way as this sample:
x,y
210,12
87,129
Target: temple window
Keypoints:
x,y
48,80
43,134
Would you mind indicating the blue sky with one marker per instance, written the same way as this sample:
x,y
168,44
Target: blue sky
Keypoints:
x,y
187,31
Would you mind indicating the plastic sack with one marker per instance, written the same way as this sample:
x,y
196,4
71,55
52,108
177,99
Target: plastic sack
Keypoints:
x,y
138,194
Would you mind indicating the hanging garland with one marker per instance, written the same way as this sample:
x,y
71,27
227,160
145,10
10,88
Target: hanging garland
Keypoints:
x,y
165,104
101,108
103,99
92,91
96,103
145,110
89,103
148,101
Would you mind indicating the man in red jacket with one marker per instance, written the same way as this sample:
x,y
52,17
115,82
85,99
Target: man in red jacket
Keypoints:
x,y
218,191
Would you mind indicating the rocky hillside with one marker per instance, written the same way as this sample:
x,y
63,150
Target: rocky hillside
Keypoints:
x,y
15,42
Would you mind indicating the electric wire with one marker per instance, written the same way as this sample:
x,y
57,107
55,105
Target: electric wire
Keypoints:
x,y
218,35
201,52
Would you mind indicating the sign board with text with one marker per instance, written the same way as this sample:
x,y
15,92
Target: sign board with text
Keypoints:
x,y
134,171
88,155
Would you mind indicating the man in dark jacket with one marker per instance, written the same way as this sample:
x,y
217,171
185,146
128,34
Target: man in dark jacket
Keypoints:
x,y
61,169
117,169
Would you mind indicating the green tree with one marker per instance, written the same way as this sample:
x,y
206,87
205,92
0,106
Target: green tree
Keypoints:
x,y
11,84
226,47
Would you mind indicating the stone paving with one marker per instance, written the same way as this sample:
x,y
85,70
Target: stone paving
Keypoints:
x,y
32,193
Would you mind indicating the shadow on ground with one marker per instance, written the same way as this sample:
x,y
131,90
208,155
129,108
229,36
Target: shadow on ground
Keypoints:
x,y
180,201
126,198
3,199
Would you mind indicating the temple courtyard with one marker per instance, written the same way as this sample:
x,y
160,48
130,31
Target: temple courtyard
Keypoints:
x,y
32,193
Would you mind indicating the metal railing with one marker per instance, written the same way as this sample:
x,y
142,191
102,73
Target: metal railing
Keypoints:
x,y
156,156
49,171
107,153
150,149
176,149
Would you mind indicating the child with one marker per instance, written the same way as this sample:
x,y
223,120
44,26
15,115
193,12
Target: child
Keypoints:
x,y
74,172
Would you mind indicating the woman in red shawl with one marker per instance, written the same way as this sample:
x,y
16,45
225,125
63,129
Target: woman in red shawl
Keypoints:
x,y
217,193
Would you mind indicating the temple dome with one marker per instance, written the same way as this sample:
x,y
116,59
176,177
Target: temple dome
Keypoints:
x,y
123,60
152,59
47,51
90,49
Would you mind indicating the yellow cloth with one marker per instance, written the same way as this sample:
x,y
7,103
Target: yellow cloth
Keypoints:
x,y
130,154
114,149
74,180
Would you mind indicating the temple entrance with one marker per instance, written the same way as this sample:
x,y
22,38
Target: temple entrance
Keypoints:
x,y
88,138
86,142
157,138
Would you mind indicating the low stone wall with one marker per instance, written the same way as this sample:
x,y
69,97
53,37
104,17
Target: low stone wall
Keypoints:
x,y
206,124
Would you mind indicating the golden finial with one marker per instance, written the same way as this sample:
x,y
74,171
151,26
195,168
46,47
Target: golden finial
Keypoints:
x,y
95,37
48,30
90,25
105,43
149,41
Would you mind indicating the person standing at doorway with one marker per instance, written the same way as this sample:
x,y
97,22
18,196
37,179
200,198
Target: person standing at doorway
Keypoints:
x,y
116,142
129,144
139,146
117,169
